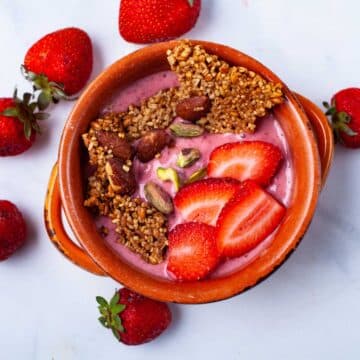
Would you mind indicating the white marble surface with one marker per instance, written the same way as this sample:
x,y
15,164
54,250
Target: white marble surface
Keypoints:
x,y
309,309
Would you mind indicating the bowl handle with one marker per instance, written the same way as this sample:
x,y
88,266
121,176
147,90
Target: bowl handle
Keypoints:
x,y
323,133
56,231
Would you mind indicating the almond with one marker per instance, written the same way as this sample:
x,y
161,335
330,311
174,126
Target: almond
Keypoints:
x,y
120,147
151,144
193,108
122,181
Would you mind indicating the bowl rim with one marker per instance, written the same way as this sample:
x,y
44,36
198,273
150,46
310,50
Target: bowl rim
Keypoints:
x,y
308,182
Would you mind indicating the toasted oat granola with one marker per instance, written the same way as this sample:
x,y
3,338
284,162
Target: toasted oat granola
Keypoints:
x,y
238,96
140,227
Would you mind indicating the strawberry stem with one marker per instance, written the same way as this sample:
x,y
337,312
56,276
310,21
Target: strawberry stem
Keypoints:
x,y
110,314
339,121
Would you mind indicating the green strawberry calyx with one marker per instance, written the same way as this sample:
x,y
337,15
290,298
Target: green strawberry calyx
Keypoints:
x,y
25,110
191,2
339,121
50,91
110,312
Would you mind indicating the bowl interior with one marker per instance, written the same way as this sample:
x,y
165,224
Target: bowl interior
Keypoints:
x,y
306,184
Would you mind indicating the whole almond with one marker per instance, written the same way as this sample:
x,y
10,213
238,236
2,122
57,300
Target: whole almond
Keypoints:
x,y
122,182
120,147
151,144
193,108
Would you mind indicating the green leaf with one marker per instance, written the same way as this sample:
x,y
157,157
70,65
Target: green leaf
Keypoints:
x,y
117,309
116,334
115,299
103,321
117,324
43,100
326,104
101,301
27,129
346,129
36,127
10,112
41,116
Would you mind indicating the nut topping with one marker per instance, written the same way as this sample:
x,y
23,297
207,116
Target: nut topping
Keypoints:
x,y
158,198
151,144
122,181
186,130
169,174
193,108
188,157
120,147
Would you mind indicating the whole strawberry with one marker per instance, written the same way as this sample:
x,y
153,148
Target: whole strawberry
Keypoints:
x,y
15,119
12,229
60,63
148,21
133,318
345,116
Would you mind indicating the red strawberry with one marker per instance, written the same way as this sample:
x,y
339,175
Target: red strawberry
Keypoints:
x,y
12,137
133,318
147,21
255,160
345,116
12,229
193,253
247,219
61,57
203,200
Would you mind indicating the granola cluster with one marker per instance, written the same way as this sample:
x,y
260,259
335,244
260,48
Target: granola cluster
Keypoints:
x,y
239,96
140,227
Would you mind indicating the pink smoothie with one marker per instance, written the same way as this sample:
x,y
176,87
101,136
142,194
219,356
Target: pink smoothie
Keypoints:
x,y
268,129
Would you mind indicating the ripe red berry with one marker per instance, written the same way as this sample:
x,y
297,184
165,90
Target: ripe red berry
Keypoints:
x,y
133,318
12,229
147,21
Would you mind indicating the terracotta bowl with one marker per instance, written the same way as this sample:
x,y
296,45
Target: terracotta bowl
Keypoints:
x,y
308,136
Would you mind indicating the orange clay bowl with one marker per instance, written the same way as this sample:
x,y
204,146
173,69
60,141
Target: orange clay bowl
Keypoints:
x,y
311,147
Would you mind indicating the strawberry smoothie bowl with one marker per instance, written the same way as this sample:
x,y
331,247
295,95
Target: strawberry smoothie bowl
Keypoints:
x,y
188,172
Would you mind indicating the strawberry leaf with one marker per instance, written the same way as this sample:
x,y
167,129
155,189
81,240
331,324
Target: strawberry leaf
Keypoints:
x,y
117,309
103,322
11,112
115,299
116,334
101,301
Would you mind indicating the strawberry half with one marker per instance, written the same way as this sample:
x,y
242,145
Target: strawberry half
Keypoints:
x,y
247,219
203,200
193,253
255,160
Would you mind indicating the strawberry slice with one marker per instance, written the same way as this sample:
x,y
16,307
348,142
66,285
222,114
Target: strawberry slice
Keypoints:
x,y
193,251
255,160
247,219
203,200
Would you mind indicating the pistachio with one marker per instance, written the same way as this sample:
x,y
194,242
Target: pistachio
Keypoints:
x,y
186,130
169,174
121,181
158,198
151,144
197,175
188,157
120,147
193,108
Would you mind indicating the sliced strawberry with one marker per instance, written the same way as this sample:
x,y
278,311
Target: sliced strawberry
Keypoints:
x,y
203,200
247,219
255,160
193,251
